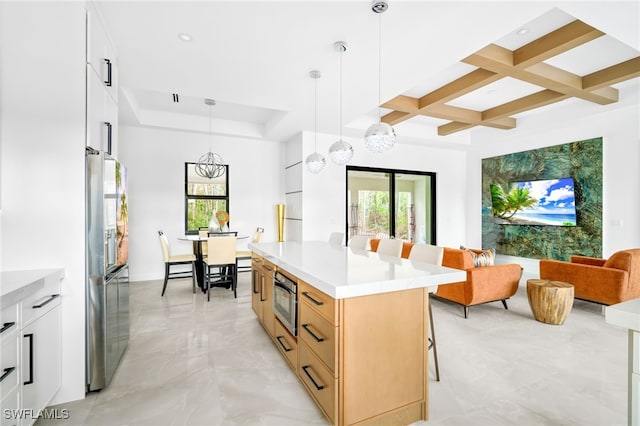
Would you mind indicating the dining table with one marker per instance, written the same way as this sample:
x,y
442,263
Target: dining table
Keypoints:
x,y
201,267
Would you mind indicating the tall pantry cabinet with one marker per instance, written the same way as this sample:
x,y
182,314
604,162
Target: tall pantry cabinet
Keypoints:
x,y
102,86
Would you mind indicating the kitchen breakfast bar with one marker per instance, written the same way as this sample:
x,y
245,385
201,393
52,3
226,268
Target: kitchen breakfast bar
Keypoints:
x,y
352,324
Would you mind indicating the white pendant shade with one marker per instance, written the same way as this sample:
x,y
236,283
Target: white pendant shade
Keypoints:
x,y
380,137
340,152
315,162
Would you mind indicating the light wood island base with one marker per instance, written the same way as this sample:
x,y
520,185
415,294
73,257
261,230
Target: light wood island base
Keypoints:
x,y
362,359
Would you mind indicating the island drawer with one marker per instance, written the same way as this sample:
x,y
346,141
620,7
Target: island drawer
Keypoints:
x,y
319,381
324,304
320,335
287,344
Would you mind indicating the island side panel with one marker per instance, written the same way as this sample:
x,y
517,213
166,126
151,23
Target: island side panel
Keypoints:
x,y
385,357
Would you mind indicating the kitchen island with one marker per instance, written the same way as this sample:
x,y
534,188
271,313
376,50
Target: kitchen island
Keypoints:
x,y
362,327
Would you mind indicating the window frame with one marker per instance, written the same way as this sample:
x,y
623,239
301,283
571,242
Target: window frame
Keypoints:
x,y
392,199
188,197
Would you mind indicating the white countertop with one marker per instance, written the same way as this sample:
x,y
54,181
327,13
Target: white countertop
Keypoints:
x,y
625,314
342,272
16,285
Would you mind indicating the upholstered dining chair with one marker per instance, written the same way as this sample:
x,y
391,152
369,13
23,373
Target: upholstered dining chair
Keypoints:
x,y
336,238
243,256
429,254
203,233
220,262
390,247
360,242
175,260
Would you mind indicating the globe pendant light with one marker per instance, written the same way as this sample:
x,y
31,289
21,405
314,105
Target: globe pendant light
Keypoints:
x,y
210,165
340,151
379,137
315,162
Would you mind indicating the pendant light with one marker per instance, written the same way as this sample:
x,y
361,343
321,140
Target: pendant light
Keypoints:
x,y
210,165
340,151
315,162
379,137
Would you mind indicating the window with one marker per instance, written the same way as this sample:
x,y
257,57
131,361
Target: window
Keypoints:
x,y
203,197
373,194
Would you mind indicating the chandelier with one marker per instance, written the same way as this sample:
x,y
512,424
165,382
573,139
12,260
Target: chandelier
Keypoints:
x,y
379,137
210,165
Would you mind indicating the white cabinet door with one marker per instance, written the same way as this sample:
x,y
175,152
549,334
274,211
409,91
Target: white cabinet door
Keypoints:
x,y
102,115
101,55
40,368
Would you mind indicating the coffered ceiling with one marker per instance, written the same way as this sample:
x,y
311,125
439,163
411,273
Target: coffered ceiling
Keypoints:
x,y
550,84
448,69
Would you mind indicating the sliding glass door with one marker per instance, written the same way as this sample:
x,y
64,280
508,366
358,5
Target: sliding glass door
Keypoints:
x,y
385,203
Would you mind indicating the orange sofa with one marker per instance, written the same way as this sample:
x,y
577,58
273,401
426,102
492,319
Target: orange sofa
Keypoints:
x,y
605,281
484,283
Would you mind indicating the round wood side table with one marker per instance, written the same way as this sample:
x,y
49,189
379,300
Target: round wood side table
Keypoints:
x,y
550,301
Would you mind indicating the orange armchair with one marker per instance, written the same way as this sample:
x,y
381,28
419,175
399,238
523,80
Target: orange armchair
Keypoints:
x,y
605,281
484,283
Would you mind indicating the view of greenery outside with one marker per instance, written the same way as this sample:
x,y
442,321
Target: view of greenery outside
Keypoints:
x,y
507,200
203,199
373,207
403,204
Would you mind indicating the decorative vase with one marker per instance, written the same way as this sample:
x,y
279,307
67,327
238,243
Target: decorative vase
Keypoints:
x,y
280,220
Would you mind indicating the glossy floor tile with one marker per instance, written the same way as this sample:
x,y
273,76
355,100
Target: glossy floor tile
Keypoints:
x,y
190,362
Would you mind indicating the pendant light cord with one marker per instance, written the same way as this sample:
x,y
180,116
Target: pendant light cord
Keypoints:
x,y
341,52
379,64
315,115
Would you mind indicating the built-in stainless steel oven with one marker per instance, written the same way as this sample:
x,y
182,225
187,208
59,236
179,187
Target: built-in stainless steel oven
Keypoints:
x,y
285,301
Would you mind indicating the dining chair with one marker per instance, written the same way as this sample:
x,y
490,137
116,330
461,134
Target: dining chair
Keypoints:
x,y
336,238
222,258
390,247
175,260
203,233
429,254
245,255
360,242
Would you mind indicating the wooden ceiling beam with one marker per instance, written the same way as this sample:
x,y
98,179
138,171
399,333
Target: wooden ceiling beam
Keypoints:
x,y
461,86
526,103
526,63
496,59
559,41
611,75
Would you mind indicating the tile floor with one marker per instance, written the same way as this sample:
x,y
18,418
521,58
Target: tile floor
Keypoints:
x,y
190,362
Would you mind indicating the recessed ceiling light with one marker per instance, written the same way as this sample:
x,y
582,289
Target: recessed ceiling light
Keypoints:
x,y
185,37
522,31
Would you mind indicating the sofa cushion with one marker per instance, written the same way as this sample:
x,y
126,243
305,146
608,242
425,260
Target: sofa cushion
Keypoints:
x,y
481,257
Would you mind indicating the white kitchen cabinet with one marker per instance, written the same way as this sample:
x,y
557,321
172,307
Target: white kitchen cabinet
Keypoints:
x,y
102,115
9,376
102,87
101,55
31,343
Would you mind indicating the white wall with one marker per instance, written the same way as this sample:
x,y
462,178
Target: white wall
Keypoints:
x,y
324,199
618,124
42,142
155,161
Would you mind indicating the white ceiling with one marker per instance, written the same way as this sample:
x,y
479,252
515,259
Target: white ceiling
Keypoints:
x,y
253,58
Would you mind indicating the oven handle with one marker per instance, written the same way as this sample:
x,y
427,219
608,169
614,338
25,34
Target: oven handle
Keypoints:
x,y
284,287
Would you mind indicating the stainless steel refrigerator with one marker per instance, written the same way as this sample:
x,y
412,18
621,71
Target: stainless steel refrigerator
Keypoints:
x,y
107,292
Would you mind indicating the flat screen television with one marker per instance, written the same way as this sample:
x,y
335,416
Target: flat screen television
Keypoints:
x,y
537,202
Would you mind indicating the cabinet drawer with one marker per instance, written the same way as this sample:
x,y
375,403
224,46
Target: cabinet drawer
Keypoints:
x,y
320,335
9,360
42,301
319,381
287,344
268,267
324,304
